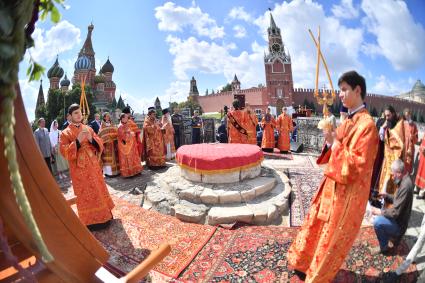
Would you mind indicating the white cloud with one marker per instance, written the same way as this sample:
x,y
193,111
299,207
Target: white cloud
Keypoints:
x,y
340,44
239,13
29,91
177,92
399,38
190,54
60,38
139,104
240,31
371,49
175,18
345,10
385,86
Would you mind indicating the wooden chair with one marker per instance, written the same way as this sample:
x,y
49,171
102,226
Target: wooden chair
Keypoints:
x,y
78,256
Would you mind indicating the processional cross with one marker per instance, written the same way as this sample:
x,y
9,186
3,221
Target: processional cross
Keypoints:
x,y
326,101
84,105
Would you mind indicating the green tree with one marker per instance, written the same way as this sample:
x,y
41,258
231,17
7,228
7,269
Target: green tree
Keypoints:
x,y
421,119
192,105
374,112
114,104
53,106
173,105
206,92
120,104
41,112
227,87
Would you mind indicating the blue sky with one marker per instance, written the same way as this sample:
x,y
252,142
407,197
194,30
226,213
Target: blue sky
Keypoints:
x,y
157,46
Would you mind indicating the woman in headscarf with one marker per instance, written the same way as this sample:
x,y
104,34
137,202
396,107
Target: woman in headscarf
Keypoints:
x,y
61,165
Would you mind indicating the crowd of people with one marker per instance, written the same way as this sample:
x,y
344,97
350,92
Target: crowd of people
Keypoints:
x,y
240,126
369,169
125,145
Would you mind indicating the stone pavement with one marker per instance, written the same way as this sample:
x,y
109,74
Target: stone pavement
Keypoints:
x,y
132,190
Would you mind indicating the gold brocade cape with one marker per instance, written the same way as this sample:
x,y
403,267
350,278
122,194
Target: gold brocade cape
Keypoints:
x,y
337,210
394,149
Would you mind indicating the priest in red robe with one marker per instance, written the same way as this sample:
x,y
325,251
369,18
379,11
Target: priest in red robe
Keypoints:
x,y
80,145
284,127
268,124
410,139
128,153
236,123
153,141
420,175
138,132
337,210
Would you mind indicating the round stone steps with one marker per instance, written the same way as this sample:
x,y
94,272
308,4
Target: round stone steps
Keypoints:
x,y
217,194
263,210
261,200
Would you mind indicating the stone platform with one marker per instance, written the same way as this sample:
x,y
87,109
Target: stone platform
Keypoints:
x,y
261,200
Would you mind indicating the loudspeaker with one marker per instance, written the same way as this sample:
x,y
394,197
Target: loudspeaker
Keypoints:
x,y
296,147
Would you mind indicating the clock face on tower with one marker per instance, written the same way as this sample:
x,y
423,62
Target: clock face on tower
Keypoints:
x,y
276,47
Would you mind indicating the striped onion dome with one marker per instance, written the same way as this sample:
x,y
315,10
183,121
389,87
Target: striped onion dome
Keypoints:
x,y
82,63
55,71
65,81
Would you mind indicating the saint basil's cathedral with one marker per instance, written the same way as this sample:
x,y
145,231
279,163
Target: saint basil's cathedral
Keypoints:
x,y
102,84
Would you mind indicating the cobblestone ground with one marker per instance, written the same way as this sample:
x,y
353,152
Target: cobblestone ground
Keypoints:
x,y
131,189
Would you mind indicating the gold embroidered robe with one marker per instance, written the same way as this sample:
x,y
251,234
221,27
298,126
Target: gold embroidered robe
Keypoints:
x,y
393,149
129,157
109,135
153,140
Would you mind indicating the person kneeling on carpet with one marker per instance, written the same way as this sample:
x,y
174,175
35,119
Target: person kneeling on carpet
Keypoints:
x,y
391,222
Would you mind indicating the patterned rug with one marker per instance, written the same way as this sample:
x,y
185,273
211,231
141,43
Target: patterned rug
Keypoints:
x,y
304,186
258,254
277,155
134,232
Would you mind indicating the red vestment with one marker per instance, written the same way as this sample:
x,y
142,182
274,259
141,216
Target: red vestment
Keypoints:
x,y
284,126
133,126
236,123
337,210
268,124
129,157
394,149
411,138
153,140
94,203
251,128
420,175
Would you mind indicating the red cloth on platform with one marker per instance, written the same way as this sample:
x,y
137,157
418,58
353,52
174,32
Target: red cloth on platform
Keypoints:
x,y
216,158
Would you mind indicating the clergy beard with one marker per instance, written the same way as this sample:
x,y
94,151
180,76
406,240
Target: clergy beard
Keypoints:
x,y
397,181
391,123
